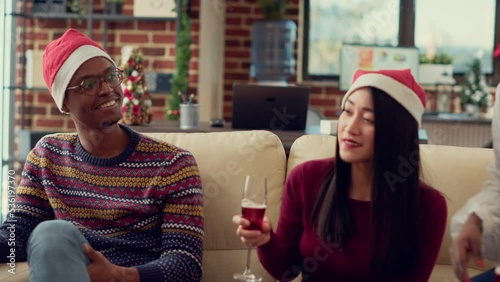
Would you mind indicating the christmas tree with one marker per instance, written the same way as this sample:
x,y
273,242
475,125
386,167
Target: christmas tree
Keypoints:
x,y
180,79
136,109
475,90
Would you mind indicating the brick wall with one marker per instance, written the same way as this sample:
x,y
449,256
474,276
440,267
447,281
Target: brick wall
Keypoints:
x,y
156,38
240,15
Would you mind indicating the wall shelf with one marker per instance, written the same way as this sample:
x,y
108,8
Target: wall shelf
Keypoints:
x,y
19,87
96,16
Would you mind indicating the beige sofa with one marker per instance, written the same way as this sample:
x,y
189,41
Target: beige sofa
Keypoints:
x,y
225,158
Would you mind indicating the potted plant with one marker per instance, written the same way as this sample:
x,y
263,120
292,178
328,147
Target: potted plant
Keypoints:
x,y
273,41
273,9
114,7
75,6
436,68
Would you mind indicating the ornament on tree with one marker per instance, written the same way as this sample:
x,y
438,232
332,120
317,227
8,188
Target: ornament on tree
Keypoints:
x,y
136,108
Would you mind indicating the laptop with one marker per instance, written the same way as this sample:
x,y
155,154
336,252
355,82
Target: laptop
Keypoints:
x,y
268,107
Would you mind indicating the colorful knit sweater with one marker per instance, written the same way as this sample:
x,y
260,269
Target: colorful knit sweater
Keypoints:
x,y
142,208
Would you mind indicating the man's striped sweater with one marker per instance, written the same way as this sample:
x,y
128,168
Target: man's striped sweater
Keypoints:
x,y
142,208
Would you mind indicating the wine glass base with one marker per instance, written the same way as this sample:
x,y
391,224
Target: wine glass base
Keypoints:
x,y
247,277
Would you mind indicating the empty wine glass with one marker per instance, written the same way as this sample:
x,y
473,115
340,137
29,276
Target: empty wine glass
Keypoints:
x,y
253,208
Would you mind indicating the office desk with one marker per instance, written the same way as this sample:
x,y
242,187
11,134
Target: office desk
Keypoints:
x,y
457,130
286,137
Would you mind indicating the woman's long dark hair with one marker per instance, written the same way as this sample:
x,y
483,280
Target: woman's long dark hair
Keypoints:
x,y
395,191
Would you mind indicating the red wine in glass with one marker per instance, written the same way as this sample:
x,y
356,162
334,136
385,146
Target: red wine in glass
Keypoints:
x,y
253,213
253,208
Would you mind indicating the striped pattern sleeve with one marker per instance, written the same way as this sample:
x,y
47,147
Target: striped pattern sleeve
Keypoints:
x,y
182,224
31,207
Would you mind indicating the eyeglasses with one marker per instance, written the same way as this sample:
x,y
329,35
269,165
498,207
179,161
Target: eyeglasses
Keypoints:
x,y
93,85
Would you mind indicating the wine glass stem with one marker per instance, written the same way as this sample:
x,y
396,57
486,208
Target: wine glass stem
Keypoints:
x,y
249,255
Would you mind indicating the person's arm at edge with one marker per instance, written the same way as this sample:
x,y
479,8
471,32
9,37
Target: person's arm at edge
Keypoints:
x,y
22,218
486,204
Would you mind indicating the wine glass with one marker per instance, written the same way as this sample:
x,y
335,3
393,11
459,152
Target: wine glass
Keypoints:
x,y
253,208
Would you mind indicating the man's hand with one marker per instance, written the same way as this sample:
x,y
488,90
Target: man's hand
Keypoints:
x,y
101,270
466,246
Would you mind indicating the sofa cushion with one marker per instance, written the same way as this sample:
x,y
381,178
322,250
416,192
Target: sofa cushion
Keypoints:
x,y
310,147
457,172
224,159
444,273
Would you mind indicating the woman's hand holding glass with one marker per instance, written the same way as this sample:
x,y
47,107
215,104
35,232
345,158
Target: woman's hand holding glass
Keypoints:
x,y
251,222
252,238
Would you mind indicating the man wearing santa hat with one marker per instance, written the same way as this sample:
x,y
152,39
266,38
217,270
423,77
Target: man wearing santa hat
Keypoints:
x,y
106,203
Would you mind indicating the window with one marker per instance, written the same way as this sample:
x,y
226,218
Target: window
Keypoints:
x,y
6,104
463,33
331,23
466,32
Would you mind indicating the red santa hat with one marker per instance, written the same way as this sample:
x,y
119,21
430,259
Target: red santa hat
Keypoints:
x,y
399,84
63,57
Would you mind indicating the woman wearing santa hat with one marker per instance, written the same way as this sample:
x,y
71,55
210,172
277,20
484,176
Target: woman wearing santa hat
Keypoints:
x,y
363,215
102,204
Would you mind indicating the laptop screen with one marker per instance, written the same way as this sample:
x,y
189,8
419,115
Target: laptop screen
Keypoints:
x,y
268,107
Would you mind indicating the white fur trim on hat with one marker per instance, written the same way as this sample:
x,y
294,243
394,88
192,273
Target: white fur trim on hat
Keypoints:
x,y
397,90
70,66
